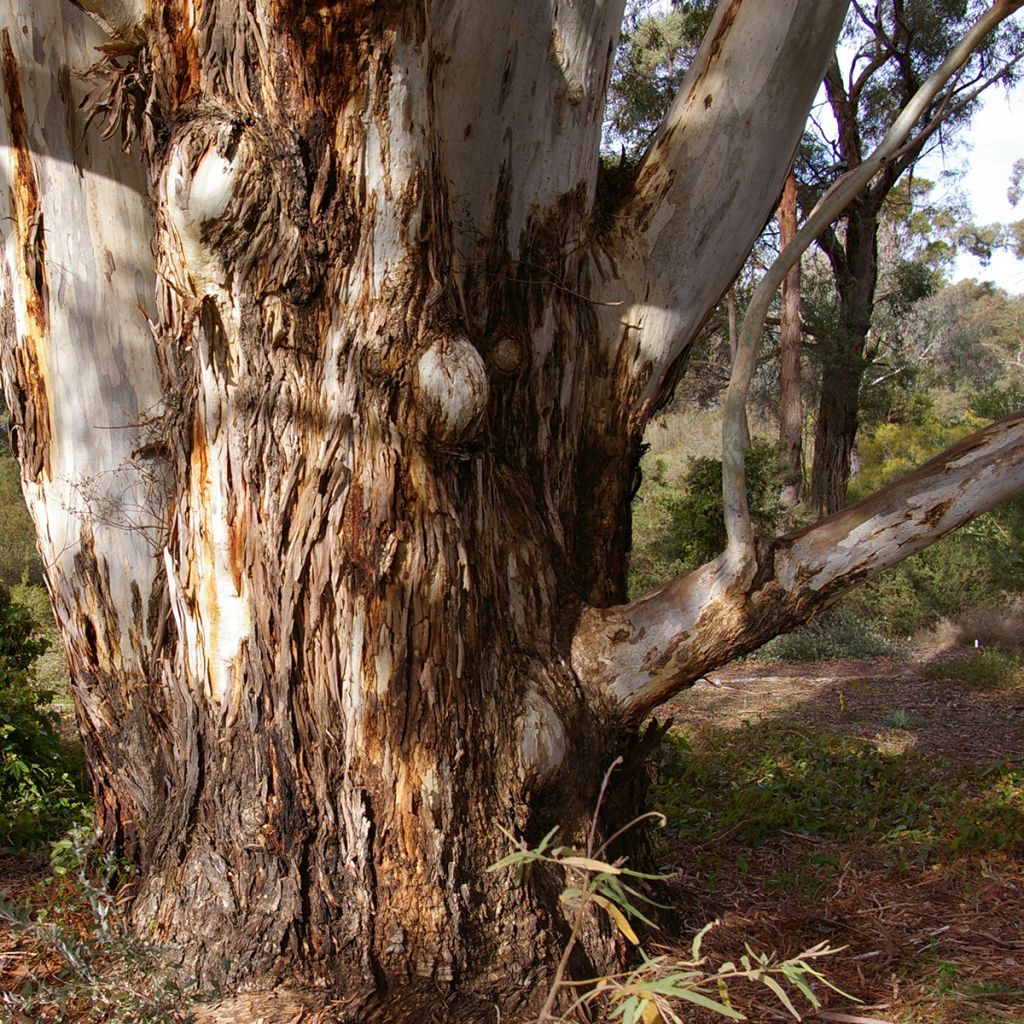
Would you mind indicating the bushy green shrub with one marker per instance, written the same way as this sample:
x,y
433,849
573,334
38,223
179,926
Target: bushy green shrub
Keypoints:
x,y
42,786
892,450
837,633
698,518
978,567
677,528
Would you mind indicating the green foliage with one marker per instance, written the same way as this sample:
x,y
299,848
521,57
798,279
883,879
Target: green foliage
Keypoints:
x,y
18,557
977,567
677,527
20,640
106,975
659,988
980,566
655,50
892,450
839,632
762,780
42,785
689,523
1002,399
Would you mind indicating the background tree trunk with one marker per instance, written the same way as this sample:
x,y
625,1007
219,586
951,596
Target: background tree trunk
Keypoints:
x,y
791,415
855,265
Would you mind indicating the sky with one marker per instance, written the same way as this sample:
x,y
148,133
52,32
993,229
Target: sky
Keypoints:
x,y
996,141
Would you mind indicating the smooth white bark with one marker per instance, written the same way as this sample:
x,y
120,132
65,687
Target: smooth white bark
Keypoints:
x,y
520,100
94,347
714,173
124,17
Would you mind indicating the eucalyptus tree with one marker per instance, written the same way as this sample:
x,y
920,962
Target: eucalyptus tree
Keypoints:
x,y
329,355
889,49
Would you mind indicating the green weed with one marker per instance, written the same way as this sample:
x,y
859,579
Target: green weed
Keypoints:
x,y
763,781
658,988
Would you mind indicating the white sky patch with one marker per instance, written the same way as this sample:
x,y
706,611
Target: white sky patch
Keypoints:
x,y
993,142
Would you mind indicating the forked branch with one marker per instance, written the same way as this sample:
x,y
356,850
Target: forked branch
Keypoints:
x,y
639,654
829,208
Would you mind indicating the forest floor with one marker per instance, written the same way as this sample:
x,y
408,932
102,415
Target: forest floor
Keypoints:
x,y
877,806
874,805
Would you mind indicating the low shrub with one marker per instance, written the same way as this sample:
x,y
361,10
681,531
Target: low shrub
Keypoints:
x,y
676,528
837,633
18,557
985,670
106,974
42,780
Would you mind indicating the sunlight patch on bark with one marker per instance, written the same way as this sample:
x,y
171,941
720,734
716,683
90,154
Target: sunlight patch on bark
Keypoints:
x,y
220,614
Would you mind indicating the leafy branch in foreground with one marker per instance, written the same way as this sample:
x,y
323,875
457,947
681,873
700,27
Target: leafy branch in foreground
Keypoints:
x,y
657,989
106,974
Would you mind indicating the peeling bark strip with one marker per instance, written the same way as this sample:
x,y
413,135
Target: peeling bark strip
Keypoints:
x,y
26,336
345,437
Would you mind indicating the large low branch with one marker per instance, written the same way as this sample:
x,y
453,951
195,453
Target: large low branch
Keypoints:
x,y
639,654
714,173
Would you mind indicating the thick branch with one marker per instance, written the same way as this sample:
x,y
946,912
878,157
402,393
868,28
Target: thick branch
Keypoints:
x,y
520,96
714,173
640,654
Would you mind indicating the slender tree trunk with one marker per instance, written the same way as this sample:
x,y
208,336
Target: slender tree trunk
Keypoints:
x,y
730,305
791,416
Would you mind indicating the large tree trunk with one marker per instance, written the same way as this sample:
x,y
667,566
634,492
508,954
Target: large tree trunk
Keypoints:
x,y
350,558
328,401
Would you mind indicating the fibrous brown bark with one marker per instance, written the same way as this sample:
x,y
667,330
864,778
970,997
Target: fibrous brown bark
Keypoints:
x,y
855,265
329,426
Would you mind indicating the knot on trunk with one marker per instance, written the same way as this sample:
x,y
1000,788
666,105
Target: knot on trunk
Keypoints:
x,y
234,202
542,741
451,390
200,181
